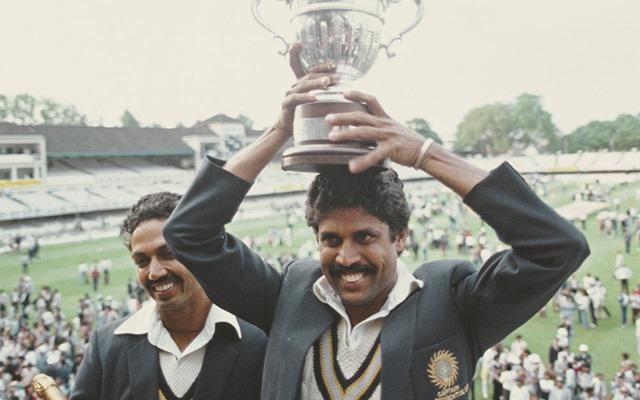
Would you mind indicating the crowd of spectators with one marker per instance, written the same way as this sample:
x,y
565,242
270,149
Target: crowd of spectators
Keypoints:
x,y
36,337
516,373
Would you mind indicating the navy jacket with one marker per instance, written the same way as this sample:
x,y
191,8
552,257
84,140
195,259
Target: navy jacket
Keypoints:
x,y
432,341
126,367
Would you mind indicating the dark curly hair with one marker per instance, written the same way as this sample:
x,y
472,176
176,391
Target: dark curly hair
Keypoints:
x,y
378,191
158,205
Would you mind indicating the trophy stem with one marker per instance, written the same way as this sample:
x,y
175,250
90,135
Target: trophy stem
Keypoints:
x,y
313,151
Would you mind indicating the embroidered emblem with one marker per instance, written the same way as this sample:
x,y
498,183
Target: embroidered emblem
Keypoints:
x,y
443,369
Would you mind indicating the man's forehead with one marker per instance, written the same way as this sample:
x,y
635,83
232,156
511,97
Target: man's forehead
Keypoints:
x,y
148,236
349,216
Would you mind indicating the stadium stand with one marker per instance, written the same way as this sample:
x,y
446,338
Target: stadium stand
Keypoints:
x,y
67,171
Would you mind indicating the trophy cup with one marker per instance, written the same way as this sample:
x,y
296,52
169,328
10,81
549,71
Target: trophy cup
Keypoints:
x,y
348,35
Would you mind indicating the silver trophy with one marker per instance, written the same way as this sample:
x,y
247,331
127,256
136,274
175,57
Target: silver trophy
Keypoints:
x,y
347,34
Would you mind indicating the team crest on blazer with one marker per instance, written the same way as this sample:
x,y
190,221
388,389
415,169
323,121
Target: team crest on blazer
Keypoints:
x,y
443,369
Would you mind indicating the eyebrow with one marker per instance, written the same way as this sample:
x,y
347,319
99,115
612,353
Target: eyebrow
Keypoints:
x,y
162,248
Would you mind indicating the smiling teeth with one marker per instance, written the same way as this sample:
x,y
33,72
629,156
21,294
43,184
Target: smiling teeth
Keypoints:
x,y
354,277
165,287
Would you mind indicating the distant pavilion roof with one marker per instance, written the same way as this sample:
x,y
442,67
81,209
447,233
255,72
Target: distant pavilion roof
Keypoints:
x,y
85,141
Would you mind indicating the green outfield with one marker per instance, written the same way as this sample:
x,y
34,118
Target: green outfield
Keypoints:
x,y
57,267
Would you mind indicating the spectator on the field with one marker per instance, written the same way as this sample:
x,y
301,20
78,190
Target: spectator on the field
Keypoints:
x,y
104,266
582,304
25,260
518,346
566,306
634,303
584,355
600,386
95,277
559,391
623,300
637,331
519,391
83,271
584,378
545,384
34,249
622,274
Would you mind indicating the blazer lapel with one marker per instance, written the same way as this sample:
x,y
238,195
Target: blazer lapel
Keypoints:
x,y
143,370
218,364
396,341
311,319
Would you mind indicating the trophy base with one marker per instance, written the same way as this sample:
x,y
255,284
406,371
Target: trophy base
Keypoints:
x,y
313,151
322,157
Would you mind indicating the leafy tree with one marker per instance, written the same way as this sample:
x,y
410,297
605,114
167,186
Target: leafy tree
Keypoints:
x,y
499,128
23,108
26,109
71,116
532,124
5,108
246,121
485,130
422,127
128,120
50,111
627,132
623,133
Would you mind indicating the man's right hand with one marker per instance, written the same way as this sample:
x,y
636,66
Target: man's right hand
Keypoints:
x,y
249,162
321,77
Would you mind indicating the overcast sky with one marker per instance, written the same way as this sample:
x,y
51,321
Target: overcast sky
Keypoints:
x,y
183,61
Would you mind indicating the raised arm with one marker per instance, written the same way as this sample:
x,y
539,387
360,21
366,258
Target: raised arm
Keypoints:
x,y
250,161
512,285
233,276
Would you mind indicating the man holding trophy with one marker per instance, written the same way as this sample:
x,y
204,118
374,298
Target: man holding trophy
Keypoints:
x,y
356,324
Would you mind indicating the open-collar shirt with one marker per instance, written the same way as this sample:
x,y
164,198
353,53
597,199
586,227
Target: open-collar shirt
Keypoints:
x,y
180,368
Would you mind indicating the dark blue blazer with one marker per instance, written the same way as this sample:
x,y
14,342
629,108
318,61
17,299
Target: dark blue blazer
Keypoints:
x,y
432,341
126,367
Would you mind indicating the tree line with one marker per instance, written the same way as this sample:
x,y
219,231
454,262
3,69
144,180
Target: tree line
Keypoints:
x,y
489,130
25,109
512,127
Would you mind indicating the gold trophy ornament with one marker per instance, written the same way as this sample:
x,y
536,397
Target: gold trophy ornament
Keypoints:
x,y
46,388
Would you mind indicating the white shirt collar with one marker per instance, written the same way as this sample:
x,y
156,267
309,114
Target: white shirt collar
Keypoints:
x,y
406,284
146,321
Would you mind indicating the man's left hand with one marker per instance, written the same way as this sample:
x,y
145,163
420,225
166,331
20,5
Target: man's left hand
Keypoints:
x,y
394,141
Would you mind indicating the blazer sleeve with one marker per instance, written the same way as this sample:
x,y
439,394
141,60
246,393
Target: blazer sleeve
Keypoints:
x,y
88,382
514,285
233,276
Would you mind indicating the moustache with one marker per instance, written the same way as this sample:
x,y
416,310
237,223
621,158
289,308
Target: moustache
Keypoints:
x,y
336,269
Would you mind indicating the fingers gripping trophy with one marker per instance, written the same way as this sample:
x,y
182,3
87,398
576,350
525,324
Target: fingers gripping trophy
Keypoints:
x,y
343,37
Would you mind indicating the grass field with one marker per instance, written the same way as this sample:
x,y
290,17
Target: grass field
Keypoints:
x,y
57,267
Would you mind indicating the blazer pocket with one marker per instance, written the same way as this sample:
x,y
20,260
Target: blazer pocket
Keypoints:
x,y
439,372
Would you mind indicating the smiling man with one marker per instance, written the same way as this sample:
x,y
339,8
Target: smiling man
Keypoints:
x,y
356,324
178,345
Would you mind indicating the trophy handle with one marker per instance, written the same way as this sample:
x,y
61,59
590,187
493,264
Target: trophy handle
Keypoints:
x,y
398,38
255,10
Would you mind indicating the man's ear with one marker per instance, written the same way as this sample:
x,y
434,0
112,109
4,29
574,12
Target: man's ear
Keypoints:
x,y
401,240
